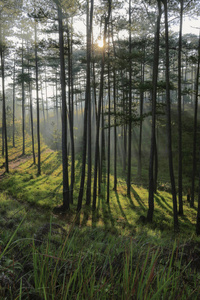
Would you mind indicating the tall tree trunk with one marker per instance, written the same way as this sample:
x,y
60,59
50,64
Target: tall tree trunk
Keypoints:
x,y
4,127
153,126
115,131
87,100
130,108
37,100
46,95
196,99
23,102
72,120
109,106
141,122
66,192
99,108
194,138
31,114
90,22
102,156
14,103
31,117
71,112
155,166
42,102
180,115
114,103
168,108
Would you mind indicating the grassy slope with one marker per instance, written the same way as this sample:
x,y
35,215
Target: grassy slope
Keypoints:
x,y
120,216
24,193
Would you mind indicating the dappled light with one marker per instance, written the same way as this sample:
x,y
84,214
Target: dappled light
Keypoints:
x,y
99,141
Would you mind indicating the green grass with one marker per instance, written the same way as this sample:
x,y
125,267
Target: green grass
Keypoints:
x,y
120,216
104,254
57,262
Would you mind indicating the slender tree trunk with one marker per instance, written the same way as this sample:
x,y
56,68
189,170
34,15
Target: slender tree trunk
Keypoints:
x,y
115,131
66,192
153,126
37,100
155,167
90,22
4,127
109,106
42,102
194,138
114,103
32,130
23,102
14,104
124,132
71,117
87,100
102,156
130,108
46,95
56,100
180,116
72,121
31,115
141,123
196,99
3,135
168,108
99,109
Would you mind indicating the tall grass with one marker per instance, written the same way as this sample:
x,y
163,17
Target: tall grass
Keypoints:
x,y
96,265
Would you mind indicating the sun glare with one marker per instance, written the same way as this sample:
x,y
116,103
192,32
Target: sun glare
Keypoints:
x,y
100,43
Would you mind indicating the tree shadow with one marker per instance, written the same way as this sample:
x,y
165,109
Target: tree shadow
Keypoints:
x,y
138,199
164,205
163,199
47,157
120,207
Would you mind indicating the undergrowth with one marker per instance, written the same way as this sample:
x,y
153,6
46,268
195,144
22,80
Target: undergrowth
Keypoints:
x,y
107,254
56,263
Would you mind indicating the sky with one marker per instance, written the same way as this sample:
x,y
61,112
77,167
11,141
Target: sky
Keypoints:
x,y
190,26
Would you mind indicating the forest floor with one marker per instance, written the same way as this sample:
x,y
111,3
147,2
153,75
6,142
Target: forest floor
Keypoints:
x,y
123,260
118,255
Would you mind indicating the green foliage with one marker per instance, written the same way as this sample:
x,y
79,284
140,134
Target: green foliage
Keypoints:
x,y
94,264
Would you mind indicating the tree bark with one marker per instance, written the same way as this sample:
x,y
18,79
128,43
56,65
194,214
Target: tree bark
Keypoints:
x,y
168,108
23,102
196,99
196,96
37,100
14,104
89,174
4,127
109,106
99,109
87,103
130,108
153,134
71,111
180,115
66,192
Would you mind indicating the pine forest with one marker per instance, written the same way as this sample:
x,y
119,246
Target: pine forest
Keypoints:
x,y
99,149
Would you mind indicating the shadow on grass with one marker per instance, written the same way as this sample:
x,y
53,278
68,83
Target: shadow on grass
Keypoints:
x,y
138,199
163,199
47,157
120,207
164,205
